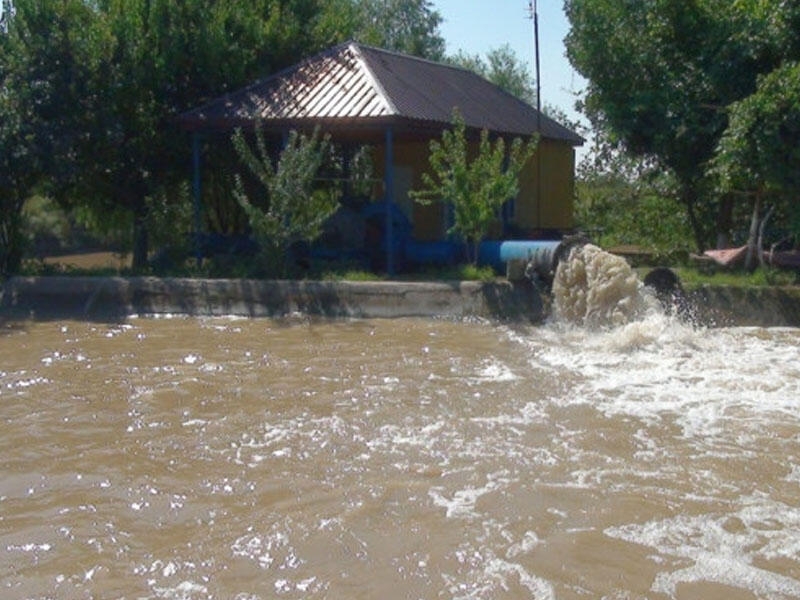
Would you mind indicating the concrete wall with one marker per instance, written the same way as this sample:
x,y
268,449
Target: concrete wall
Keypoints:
x,y
117,297
113,297
759,307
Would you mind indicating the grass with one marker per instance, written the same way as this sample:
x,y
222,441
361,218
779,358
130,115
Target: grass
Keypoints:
x,y
456,272
100,264
468,272
113,264
692,277
107,264
352,275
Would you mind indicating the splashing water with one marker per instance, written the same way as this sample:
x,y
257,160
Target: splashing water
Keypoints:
x,y
595,289
244,458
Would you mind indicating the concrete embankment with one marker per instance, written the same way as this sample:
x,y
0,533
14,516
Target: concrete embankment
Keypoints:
x,y
116,297
754,306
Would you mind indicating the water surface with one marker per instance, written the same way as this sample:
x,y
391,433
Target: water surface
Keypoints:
x,y
233,458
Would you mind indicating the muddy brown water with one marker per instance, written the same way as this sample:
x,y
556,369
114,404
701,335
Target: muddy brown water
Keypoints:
x,y
255,458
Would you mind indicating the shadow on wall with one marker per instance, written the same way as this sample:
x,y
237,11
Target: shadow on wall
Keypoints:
x,y
114,298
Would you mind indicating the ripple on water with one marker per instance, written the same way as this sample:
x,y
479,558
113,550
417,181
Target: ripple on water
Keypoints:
x,y
205,458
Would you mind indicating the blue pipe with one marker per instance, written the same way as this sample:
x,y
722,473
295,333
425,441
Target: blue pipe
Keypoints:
x,y
497,254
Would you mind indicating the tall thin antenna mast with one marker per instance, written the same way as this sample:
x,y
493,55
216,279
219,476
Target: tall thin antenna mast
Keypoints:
x,y
533,13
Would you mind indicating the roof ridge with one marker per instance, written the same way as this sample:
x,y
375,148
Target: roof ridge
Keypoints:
x,y
242,91
360,46
356,47
414,57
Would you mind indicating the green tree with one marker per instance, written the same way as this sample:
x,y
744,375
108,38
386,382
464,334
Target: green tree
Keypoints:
x,y
18,174
35,128
408,26
476,186
503,68
661,74
109,77
758,155
615,209
292,206
171,56
105,80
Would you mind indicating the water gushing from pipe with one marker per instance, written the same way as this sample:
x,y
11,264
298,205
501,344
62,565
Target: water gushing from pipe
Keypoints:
x,y
595,289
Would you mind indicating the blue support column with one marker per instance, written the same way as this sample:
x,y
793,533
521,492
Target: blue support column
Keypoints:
x,y
389,193
196,195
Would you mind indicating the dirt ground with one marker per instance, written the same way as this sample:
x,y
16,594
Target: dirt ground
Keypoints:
x,y
91,260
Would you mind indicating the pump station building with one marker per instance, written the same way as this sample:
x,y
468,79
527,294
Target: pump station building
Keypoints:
x,y
396,104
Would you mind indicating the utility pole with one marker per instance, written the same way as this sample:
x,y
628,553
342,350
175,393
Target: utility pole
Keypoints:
x,y
533,13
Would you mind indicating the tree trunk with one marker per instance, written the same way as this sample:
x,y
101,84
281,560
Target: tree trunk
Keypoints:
x,y
752,238
11,238
140,237
688,199
761,228
724,222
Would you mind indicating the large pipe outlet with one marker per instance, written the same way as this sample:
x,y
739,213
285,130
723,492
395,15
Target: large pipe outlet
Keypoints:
x,y
541,257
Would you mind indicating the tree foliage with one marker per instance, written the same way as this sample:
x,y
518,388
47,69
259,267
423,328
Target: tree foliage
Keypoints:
x,y
18,168
476,186
6,13
105,79
503,68
616,210
292,206
408,26
758,154
758,151
95,86
662,74
26,141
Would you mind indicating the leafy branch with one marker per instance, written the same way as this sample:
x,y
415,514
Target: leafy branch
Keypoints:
x,y
475,187
294,205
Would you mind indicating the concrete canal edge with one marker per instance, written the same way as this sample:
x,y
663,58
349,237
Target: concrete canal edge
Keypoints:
x,y
118,297
753,306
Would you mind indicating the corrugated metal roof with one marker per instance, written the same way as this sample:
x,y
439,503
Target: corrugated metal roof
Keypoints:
x,y
357,82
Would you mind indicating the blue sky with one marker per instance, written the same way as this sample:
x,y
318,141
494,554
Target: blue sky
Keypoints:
x,y
477,26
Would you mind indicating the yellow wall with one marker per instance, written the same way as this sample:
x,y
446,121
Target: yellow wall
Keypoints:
x,y
557,189
411,160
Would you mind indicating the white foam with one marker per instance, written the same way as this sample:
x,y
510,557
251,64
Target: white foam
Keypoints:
x,y
186,590
271,550
191,359
30,547
494,370
538,587
462,503
722,548
27,382
658,368
529,541
596,289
